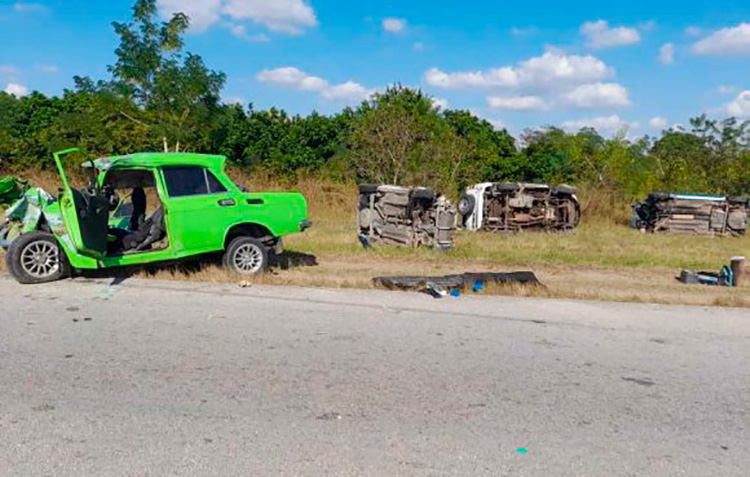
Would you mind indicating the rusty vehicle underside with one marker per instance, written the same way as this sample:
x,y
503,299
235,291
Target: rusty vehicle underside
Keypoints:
x,y
405,217
697,214
511,207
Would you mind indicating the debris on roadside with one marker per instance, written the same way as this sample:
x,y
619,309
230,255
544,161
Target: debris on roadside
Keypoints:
x,y
453,285
729,276
11,190
244,284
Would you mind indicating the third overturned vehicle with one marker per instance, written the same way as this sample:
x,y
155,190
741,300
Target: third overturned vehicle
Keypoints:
x,y
511,207
405,216
690,213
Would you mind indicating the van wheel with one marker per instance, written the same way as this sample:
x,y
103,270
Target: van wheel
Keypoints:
x,y
466,204
247,256
36,257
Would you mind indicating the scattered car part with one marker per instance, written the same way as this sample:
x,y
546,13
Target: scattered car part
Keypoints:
x,y
405,217
471,280
511,207
11,190
729,276
201,211
689,213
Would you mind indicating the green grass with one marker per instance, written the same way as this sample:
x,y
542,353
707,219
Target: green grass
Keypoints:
x,y
593,244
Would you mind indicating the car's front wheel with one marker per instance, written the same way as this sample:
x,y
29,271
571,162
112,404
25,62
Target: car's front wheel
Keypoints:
x,y
36,257
246,255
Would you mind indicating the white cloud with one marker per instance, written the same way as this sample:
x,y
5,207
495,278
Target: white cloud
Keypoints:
x,y
727,41
16,89
283,16
608,124
394,25
597,95
517,103
551,70
292,77
348,92
8,71
203,13
666,54
726,89
241,32
523,31
440,103
739,106
658,122
50,69
28,7
295,78
600,35
693,31
498,124
648,26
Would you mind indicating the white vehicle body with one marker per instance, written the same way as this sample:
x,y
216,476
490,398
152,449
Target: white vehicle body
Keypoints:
x,y
512,207
473,221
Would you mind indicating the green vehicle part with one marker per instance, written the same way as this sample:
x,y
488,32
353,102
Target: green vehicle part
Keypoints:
x,y
11,190
217,216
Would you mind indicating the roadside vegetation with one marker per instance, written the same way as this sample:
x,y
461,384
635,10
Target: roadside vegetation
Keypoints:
x,y
160,97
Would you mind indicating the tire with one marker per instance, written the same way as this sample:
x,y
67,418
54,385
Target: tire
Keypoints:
x,y
422,193
506,187
737,200
368,188
246,256
36,257
466,204
563,190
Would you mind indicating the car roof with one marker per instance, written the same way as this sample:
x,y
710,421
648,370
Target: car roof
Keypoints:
x,y
157,159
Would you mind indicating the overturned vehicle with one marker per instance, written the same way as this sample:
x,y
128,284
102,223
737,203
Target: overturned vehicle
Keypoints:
x,y
405,217
511,207
697,214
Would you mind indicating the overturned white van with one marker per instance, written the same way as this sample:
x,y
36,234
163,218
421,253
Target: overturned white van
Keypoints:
x,y
511,207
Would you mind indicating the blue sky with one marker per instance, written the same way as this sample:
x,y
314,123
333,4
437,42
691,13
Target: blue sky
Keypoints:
x,y
640,65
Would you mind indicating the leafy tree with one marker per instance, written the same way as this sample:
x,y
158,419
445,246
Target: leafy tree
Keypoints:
x,y
176,94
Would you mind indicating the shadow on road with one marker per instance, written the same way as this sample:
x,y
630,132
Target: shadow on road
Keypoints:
x,y
287,260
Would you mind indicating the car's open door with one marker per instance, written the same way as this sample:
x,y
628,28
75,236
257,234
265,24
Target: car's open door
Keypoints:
x,y
85,213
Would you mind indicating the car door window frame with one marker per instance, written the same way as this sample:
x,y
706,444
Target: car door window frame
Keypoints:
x,y
206,172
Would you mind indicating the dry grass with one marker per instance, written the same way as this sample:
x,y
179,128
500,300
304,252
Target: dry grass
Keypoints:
x,y
602,260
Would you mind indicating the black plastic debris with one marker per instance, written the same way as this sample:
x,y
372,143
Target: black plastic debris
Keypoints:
x,y
442,286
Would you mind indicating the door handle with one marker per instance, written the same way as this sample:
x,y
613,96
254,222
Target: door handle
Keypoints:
x,y
227,202
255,201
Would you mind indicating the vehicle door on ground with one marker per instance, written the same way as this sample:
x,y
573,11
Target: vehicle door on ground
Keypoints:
x,y
199,208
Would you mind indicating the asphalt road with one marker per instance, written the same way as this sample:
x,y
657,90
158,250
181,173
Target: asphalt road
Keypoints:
x,y
161,378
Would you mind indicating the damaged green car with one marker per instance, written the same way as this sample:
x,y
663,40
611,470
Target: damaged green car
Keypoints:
x,y
145,208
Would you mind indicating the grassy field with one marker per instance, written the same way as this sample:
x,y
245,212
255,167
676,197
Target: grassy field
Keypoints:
x,y
600,260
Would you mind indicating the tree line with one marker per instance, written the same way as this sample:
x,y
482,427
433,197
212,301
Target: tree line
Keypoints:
x,y
160,97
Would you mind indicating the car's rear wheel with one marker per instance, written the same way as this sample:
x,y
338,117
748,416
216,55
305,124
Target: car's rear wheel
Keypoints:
x,y
247,256
36,257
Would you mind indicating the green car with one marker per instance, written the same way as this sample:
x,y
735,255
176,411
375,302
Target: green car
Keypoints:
x,y
146,208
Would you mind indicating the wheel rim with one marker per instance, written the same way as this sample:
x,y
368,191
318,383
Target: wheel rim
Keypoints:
x,y
248,258
41,259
